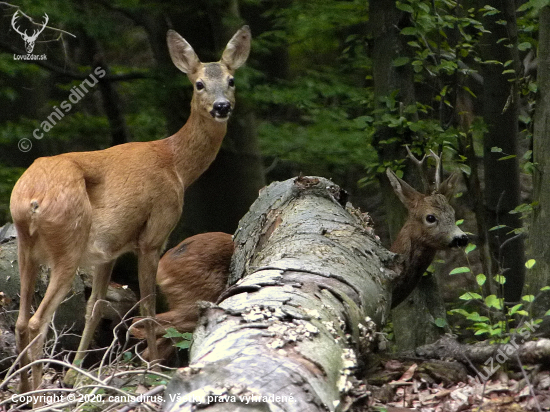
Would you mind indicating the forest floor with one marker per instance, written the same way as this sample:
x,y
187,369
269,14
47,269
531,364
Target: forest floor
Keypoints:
x,y
438,386
397,386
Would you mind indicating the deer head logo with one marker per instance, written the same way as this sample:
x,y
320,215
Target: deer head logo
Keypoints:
x,y
29,40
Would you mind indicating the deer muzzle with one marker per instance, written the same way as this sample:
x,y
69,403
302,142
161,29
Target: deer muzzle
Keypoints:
x,y
460,240
221,109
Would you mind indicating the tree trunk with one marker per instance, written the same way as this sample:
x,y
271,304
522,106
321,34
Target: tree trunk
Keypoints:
x,y
500,111
540,226
422,305
308,280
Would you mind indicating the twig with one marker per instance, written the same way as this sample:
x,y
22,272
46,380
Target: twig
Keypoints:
x,y
528,382
67,365
3,3
10,372
156,390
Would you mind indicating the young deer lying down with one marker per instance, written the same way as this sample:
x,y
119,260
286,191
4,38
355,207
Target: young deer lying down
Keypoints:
x,y
89,208
196,269
430,226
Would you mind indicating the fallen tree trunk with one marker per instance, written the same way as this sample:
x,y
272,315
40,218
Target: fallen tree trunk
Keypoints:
x,y
309,284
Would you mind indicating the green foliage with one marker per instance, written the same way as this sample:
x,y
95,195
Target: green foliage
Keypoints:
x,y
183,339
498,324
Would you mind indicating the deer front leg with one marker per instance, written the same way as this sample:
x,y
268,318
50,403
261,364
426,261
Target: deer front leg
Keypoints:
x,y
147,269
94,312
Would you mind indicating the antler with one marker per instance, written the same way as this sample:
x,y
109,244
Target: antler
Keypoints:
x,y
437,169
37,32
420,165
13,19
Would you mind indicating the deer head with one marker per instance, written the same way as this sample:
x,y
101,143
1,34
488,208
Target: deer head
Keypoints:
x,y
430,226
29,40
431,217
214,84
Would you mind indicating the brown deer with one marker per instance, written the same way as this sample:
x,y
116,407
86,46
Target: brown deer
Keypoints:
x,y
430,226
91,207
196,269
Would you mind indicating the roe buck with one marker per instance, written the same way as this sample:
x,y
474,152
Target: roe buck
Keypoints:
x,y
196,269
91,207
430,227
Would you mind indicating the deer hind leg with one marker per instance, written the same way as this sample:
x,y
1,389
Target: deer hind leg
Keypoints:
x,y
61,280
28,270
94,312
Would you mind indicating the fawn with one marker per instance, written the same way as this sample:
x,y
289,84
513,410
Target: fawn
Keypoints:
x,y
196,269
430,226
88,208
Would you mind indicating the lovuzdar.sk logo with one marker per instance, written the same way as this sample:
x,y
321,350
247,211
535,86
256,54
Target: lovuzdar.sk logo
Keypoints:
x,y
30,40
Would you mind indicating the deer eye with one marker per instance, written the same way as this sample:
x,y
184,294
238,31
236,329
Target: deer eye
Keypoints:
x,y
431,219
199,85
232,82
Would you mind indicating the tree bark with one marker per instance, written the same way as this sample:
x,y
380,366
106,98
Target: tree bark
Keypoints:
x,y
500,111
540,225
308,279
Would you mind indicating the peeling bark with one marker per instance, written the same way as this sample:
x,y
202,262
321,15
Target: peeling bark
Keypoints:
x,y
308,285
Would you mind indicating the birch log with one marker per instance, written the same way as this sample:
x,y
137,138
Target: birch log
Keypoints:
x,y
309,284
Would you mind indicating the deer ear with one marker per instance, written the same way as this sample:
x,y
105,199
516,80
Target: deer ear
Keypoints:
x,y
237,50
448,186
182,54
408,196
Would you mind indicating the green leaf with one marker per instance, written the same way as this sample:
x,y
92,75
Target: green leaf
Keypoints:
x,y
440,322
470,248
501,280
545,288
547,313
522,313
495,149
400,61
530,263
497,227
459,222
404,7
409,31
493,302
460,311
470,296
524,46
528,298
462,269
481,279
184,344
506,157
514,309
476,317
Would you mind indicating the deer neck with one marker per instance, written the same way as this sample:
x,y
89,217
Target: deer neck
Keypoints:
x,y
415,257
195,146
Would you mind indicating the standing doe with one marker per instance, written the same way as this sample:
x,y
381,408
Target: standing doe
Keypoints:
x,y
430,226
89,208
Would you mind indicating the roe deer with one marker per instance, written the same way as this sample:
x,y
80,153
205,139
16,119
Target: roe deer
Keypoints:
x,y
196,269
430,227
91,207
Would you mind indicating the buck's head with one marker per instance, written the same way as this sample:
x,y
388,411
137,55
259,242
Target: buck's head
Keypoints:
x,y
214,86
431,220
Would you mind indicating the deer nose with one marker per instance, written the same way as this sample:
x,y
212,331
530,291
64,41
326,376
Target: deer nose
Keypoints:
x,y
222,108
459,241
